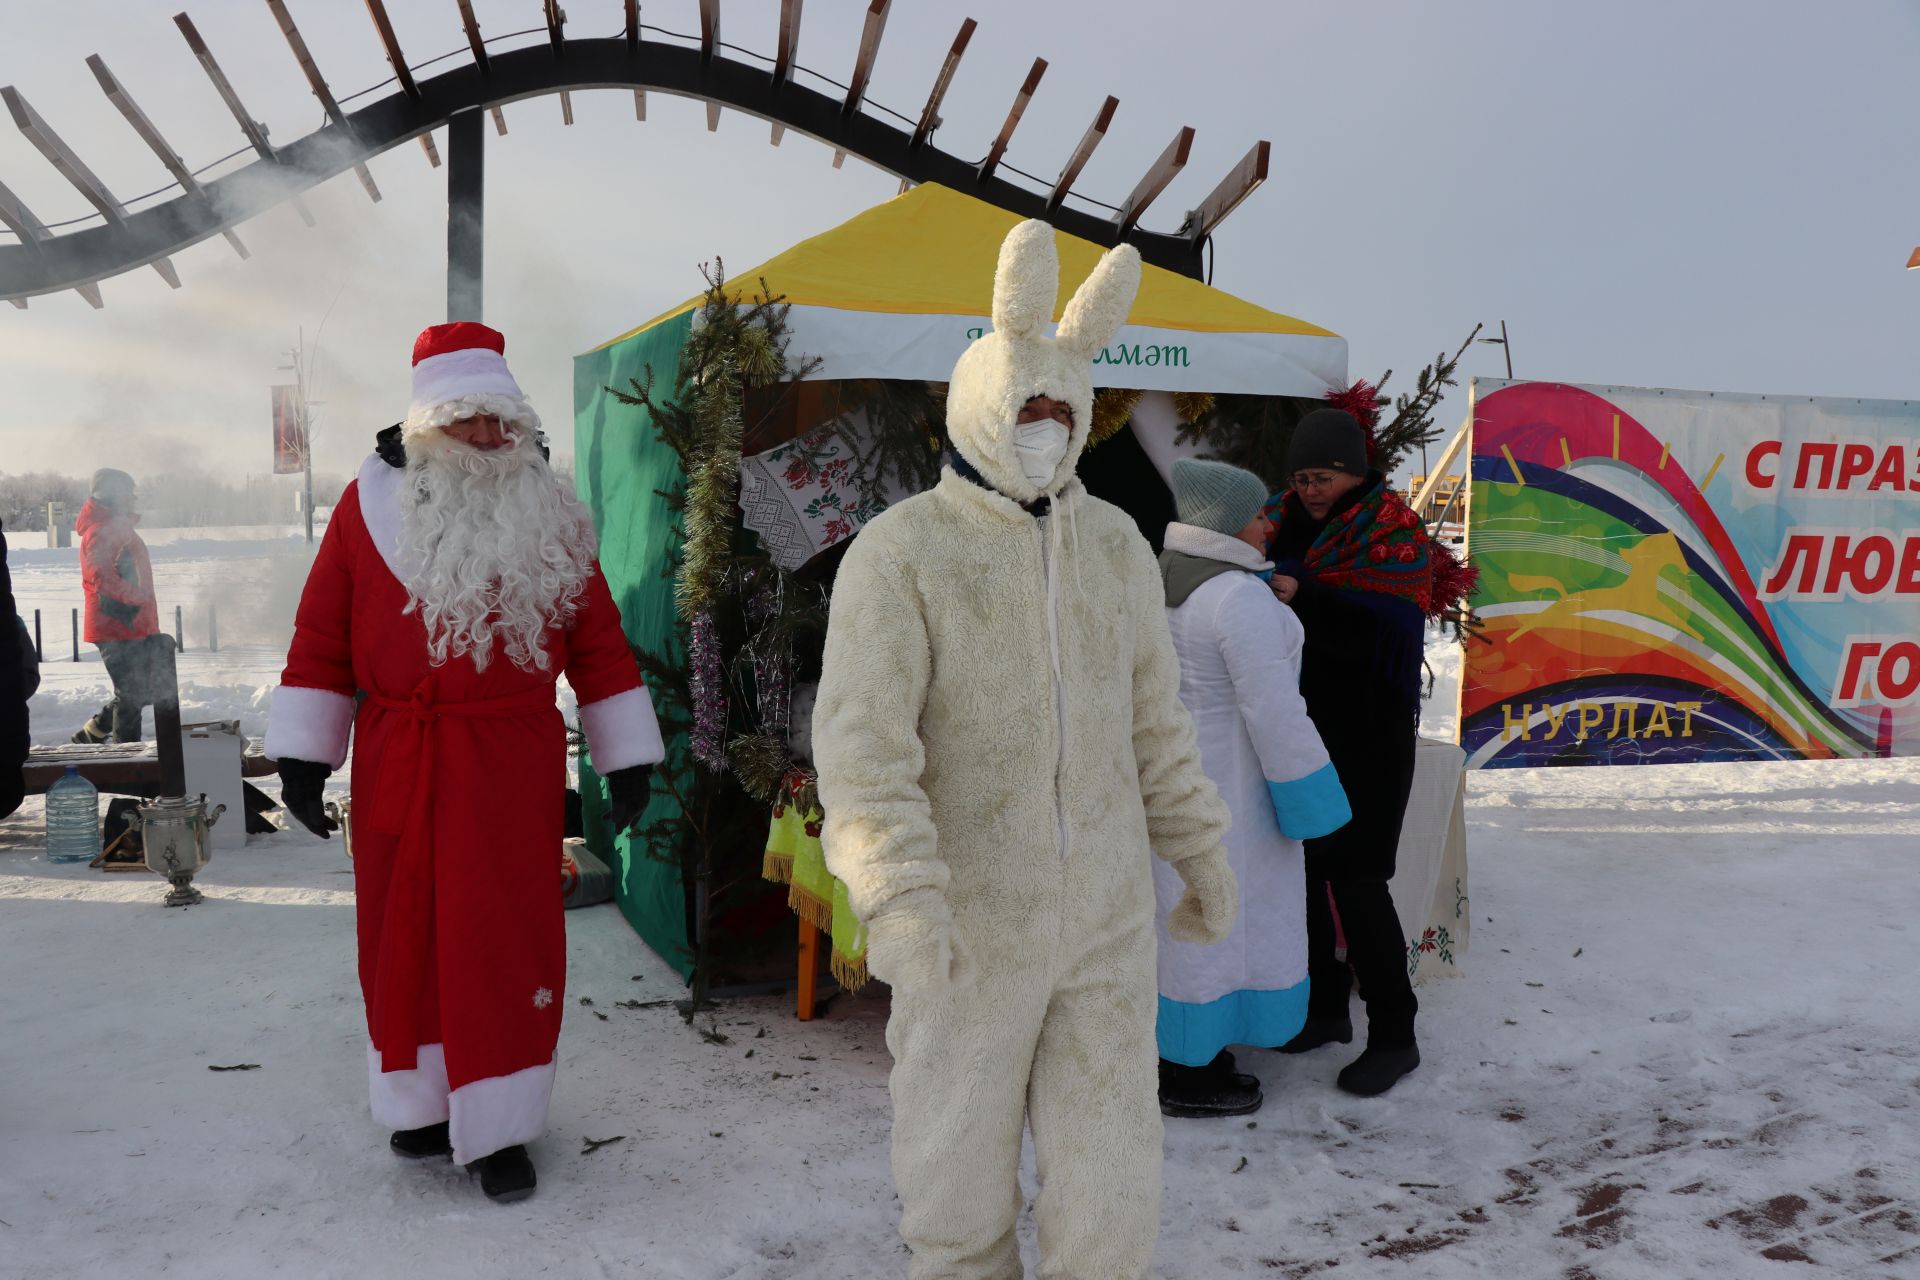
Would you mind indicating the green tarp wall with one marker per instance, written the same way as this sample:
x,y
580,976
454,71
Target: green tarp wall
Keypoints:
x,y
621,467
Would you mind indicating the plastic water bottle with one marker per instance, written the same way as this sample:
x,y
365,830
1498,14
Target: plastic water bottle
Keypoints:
x,y
73,819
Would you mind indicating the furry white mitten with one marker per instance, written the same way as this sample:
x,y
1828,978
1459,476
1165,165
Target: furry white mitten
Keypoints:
x,y
912,947
1206,910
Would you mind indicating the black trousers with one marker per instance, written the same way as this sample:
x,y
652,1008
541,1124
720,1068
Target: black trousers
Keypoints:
x,y
142,674
1376,955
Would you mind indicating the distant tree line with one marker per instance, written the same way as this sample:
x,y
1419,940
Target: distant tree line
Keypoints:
x,y
168,500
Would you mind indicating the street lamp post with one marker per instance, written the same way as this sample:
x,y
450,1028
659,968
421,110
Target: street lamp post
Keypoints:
x,y
1507,351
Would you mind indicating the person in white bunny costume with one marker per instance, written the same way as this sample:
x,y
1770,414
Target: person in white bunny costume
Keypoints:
x,y
1001,743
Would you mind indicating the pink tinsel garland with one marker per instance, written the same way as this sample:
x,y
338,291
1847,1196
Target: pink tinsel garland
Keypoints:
x,y
708,689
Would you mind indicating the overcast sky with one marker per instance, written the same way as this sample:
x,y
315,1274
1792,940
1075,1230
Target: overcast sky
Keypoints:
x,y
1717,195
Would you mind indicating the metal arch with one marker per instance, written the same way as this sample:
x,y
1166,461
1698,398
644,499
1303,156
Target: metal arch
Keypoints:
x,y
82,257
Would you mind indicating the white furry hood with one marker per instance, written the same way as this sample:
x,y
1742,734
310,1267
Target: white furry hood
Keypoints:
x,y
1016,361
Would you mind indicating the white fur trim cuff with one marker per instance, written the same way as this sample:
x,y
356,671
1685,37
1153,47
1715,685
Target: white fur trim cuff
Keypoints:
x,y
622,731
1192,540
309,724
409,1099
499,1112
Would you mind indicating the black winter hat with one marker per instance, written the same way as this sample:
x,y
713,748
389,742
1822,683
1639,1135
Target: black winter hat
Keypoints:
x,y
1330,438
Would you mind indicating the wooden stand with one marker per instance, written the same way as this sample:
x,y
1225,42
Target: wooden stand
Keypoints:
x,y
809,968
130,768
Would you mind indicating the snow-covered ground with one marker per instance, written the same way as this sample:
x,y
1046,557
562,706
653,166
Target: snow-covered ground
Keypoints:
x,y
1687,1044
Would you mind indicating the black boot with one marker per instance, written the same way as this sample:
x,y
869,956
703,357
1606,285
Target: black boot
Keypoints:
x,y
422,1144
1200,1092
1224,1068
506,1175
1378,1070
1319,1031
97,729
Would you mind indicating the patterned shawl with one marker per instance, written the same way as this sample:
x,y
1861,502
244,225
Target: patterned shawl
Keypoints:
x,y
1377,545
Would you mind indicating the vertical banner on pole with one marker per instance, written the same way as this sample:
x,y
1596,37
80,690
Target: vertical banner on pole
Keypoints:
x,y
1689,576
289,435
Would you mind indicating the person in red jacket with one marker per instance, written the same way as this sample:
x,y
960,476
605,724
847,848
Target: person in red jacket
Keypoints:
x,y
123,621
457,581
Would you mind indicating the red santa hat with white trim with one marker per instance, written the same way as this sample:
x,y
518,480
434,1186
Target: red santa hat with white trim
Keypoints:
x,y
460,370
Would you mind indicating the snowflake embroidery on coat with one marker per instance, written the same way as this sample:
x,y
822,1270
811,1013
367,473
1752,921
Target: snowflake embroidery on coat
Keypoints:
x,y
542,998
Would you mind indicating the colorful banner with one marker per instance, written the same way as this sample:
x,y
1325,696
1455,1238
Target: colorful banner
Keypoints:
x,y
1684,576
289,439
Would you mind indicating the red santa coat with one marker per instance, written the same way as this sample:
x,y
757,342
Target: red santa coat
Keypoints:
x,y
458,791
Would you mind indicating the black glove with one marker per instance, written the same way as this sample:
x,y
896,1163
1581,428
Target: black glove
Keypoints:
x,y
301,785
627,791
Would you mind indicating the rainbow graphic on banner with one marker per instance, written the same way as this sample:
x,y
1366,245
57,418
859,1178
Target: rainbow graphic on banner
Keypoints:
x,y
1622,617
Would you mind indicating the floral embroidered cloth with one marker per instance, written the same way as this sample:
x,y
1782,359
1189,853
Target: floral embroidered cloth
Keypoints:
x,y
806,495
1429,886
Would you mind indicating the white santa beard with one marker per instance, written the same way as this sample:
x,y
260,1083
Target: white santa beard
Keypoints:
x,y
496,552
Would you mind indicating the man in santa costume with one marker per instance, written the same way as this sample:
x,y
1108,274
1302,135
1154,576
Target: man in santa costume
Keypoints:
x,y
457,581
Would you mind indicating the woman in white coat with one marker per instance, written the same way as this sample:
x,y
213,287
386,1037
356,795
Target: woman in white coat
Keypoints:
x,y
1239,651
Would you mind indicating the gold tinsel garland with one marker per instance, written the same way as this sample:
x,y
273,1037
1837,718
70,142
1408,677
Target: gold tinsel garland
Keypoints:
x,y
761,762
731,350
1112,407
1191,406
712,483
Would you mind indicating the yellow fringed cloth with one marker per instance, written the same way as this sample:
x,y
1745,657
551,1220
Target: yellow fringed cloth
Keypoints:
x,y
795,859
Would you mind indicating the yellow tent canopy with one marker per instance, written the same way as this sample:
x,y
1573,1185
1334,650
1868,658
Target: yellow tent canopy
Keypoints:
x,y
900,290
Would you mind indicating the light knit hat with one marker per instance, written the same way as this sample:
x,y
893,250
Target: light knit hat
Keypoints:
x,y
1216,496
112,486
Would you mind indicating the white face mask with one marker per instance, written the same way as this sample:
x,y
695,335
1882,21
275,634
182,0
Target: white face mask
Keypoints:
x,y
1040,445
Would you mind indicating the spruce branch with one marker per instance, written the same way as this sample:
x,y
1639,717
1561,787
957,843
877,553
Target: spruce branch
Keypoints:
x,y
1412,424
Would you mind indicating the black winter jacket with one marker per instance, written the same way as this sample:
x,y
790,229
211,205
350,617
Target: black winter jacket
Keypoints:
x,y
1359,675
17,665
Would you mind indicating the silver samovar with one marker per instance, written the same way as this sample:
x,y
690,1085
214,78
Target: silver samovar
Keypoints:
x,y
173,834
173,829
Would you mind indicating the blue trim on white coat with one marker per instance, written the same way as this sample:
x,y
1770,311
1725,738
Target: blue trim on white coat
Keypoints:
x,y
1315,805
1194,1034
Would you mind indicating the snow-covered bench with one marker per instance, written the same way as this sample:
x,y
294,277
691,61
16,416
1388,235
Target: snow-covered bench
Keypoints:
x,y
122,768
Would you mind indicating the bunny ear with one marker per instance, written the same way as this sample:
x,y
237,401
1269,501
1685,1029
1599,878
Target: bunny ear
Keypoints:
x,y
1100,306
1027,280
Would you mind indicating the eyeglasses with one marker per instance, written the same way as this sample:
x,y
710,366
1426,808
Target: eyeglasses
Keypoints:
x,y
1325,480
